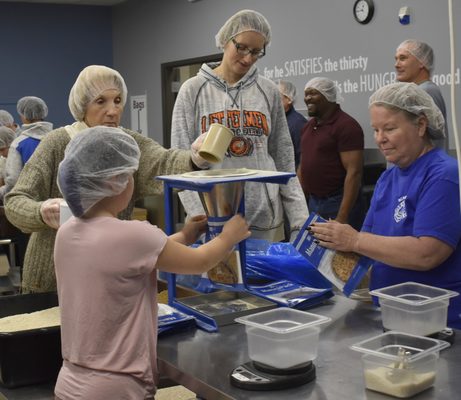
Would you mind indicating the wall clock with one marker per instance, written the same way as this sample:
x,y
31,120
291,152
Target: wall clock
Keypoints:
x,y
363,11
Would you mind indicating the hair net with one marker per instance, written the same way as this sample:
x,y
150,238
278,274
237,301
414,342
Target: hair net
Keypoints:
x,y
327,87
288,89
244,21
6,118
97,164
411,98
422,51
90,83
32,108
7,135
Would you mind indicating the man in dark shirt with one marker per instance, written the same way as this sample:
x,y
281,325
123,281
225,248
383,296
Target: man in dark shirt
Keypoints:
x,y
296,120
331,165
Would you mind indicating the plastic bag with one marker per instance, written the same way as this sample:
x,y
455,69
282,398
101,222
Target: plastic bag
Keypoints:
x,y
281,261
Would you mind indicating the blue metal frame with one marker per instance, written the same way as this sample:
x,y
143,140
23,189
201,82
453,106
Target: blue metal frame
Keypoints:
x,y
205,185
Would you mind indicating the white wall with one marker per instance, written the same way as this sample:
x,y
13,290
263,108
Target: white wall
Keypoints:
x,y
149,32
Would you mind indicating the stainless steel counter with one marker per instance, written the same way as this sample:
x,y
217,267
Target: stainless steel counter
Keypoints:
x,y
202,361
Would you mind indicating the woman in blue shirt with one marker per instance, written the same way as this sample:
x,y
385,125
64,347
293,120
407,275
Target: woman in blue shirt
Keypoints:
x,y
413,227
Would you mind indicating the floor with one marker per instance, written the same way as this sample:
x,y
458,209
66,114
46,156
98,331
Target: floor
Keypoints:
x,y
174,393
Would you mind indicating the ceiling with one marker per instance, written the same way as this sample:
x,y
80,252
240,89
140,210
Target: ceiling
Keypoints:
x,y
80,2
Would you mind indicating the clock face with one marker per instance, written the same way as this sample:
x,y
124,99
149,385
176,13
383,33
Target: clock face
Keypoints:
x,y
363,11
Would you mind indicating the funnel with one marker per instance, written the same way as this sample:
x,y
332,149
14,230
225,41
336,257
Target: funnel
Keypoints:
x,y
221,203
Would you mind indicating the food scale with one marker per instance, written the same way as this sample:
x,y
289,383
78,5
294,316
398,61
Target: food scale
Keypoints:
x,y
282,344
221,193
256,376
417,309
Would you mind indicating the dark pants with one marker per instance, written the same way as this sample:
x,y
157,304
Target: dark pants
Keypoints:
x,y
328,207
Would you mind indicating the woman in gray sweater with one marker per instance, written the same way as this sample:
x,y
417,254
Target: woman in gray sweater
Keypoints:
x,y
97,98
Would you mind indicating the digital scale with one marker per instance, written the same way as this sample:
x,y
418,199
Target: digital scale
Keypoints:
x,y
256,376
447,334
281,346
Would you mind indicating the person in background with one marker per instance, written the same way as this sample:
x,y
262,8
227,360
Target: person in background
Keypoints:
x,y
413,227
331,163
296,120
32,111
414,62
232,93
106,270
6,138
97,97
6,119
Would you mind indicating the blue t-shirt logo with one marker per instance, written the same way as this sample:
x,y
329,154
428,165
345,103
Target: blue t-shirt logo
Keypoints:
x,y
400,212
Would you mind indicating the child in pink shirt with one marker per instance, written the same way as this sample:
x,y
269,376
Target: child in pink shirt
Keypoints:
x,y
106,271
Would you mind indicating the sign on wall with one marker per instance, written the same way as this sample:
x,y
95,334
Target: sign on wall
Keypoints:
x,y
138,106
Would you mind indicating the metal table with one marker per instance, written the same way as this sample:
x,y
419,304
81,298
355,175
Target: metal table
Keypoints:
x,y
203,361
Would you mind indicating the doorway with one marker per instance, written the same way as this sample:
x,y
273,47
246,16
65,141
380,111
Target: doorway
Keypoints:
x,y
174,74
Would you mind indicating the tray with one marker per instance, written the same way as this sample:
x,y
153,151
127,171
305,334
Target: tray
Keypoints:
x,y
33,356
225,306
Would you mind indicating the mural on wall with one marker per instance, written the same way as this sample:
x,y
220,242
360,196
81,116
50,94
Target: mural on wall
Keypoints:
x,y
360,82
357,76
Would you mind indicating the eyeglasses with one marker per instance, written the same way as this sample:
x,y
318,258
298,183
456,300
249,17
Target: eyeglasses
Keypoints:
x,y
244,51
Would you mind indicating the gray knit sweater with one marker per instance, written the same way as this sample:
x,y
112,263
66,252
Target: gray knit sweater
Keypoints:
x,y
37,183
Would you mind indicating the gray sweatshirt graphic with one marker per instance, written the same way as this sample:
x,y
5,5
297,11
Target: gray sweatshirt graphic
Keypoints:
x,y
253,110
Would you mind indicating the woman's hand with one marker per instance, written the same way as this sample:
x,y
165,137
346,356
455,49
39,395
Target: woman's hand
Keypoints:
x,y
195,157
336,236
50,211
193,228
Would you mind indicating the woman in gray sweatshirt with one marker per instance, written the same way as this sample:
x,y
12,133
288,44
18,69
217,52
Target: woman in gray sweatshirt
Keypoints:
x,y
233,94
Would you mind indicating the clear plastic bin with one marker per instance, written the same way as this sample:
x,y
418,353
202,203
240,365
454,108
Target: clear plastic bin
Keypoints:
x,y
414,308
399,364
283,338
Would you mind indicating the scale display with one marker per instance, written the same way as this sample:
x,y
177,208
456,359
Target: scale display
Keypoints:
x,y
256,376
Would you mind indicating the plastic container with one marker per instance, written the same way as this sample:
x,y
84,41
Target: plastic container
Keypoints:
x,y
399,364
283,338
414,308
32,356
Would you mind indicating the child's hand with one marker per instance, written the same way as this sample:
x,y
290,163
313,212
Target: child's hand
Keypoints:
x,y
236,229
193,228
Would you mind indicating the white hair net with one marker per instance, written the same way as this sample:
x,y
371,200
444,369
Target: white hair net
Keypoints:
x,y
287,89
97,164
6,118
7,135
90,83
327,87
411,98
244,21
422,51
32,108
